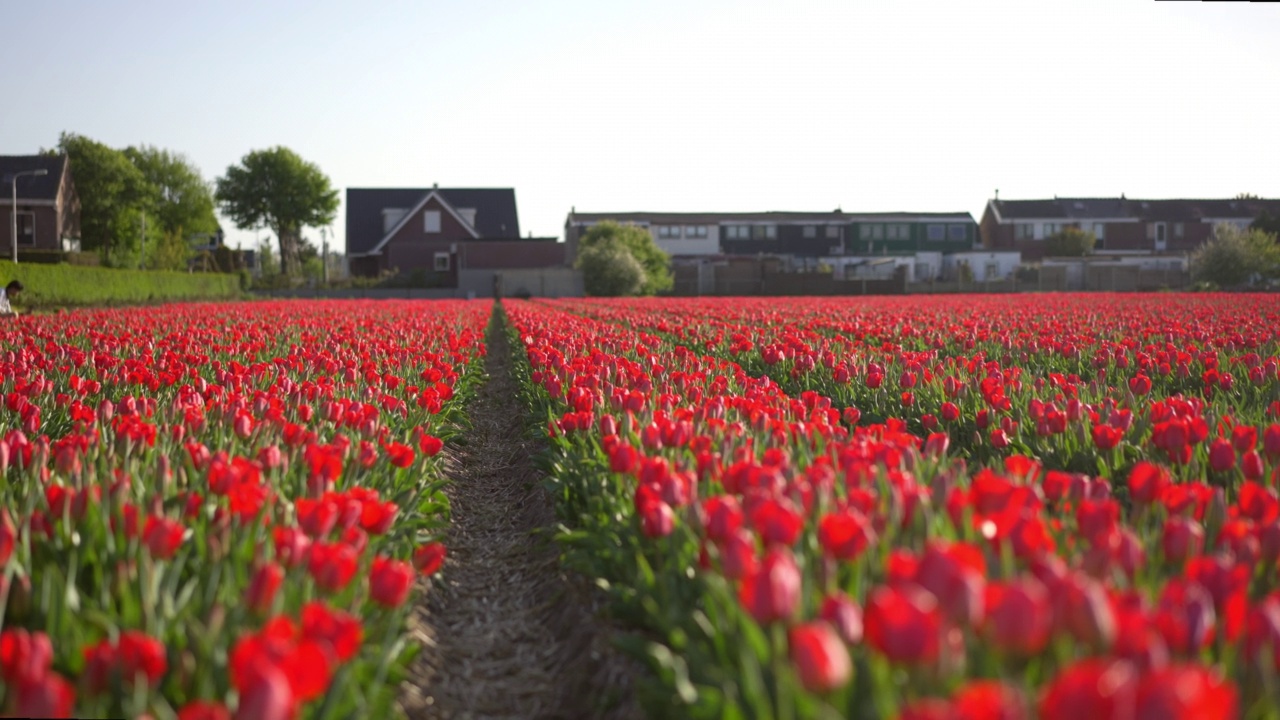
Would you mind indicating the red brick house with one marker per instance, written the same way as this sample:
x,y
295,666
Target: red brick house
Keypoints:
x,y
48,207
1122,226
436,232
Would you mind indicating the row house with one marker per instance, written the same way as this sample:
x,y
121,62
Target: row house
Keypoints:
x,y
795,234
439,232
1121,225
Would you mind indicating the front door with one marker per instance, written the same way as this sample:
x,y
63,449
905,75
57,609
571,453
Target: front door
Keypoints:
x,y
1161,237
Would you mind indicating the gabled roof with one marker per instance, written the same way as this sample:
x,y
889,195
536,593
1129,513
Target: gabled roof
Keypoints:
x,y
1174,210
44,187
495,211
713,218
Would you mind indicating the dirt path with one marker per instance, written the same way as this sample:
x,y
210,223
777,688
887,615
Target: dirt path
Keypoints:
x,y
507,635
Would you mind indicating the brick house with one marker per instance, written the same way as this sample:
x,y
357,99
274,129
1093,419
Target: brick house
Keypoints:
x,y
48,207
437,232
1121,225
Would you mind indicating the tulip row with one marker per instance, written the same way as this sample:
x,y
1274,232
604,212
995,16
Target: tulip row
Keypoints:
x,y
787,556
216,511
1090,386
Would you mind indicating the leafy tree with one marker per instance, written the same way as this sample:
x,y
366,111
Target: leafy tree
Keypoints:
x,y
1267,223
609,269
179,198
279,190
638,242
1070,242
113,194
1232,257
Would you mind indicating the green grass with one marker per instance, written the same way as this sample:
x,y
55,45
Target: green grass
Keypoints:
x,y
49,286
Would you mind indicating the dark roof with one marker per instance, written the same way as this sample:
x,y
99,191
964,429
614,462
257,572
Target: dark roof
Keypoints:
x,y
1175,210
495,208
44,187
776,216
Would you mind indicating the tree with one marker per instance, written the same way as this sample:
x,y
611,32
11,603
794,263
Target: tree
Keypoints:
x,y
610,270
1232,257
279,190
1267,223
1070,242
113,194
638,242
179,198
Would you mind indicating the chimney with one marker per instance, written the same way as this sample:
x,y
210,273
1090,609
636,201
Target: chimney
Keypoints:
x,y
997,193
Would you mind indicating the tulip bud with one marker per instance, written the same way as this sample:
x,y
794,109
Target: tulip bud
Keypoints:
x,y
262,589
821,660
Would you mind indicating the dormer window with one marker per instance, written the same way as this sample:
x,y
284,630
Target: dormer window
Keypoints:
x,y
468,215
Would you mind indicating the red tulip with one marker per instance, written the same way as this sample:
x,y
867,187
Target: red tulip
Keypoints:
x,y
267,695
738,558
337,630
133,656
332,565
1222,457
773,592
263,586
844,535
399,454
428,558
48,696
820,658
1187,692
390,581
1097,689
1271,441
1019,616
1146,482
988,700
777,520
1183,538
163,537
722,517
844,615
903,623
24,655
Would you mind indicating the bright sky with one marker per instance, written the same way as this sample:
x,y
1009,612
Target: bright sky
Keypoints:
x,y
675,106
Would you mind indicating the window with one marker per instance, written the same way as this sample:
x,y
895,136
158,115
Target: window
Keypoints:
x,y
833,232
737,232
1160,232
897,232
1100,232
668,231
864,232
936,233
992,271
956,233
811,231
26,228
1024,231
764,232
695,231
1178,230
431,221
442,262
468,215
1051,229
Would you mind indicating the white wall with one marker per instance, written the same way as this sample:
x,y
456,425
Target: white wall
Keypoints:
x,y
709,245
1005,263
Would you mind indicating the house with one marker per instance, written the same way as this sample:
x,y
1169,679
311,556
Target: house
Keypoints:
x,y
48,210
795,234
1121,225
429,232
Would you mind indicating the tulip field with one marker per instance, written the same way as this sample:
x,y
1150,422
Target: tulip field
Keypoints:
x,y
950,507
215,511
925,507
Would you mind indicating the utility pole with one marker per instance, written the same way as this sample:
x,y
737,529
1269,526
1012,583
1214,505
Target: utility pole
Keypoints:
x,y
13,209
324,256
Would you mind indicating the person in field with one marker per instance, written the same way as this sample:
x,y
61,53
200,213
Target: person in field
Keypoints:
x,y
8,293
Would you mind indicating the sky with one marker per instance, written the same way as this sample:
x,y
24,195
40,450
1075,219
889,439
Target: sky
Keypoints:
x,y
694,105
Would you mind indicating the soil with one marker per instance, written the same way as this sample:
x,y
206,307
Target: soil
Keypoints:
x,y
507,634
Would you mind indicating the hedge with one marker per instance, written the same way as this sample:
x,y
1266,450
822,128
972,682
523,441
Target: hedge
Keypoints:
x,y
49,286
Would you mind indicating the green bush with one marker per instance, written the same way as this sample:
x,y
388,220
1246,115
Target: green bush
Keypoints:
x,y
610,270
1234,257
49,286
654,263
1070,242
